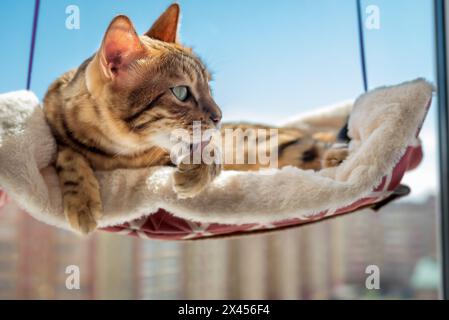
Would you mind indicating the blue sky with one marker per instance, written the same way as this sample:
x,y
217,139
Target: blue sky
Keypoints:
x,y
270,59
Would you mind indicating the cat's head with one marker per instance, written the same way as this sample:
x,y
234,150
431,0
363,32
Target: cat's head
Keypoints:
x,y
150,85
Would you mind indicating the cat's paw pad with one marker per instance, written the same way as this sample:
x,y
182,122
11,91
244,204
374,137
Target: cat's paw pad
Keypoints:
x,y
190,180
334,157
83,217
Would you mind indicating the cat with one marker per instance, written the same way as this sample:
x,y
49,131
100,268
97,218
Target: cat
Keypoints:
x,y
118,108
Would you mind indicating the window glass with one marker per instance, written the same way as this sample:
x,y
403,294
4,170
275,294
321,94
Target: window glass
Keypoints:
x,y
16,20
270,60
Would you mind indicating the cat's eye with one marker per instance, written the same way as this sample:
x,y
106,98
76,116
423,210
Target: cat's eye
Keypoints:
x,y
180,92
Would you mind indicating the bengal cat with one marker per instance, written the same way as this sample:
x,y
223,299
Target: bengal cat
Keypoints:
x,y
118,108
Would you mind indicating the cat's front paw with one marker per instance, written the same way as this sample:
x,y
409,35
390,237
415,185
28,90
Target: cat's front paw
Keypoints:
x,y
190,179
334,157
83,212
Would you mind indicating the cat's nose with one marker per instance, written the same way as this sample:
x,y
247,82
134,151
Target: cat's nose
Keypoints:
x,y
215,117
211,109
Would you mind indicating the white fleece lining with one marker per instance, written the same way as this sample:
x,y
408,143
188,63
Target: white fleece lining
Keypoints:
x,y
382,124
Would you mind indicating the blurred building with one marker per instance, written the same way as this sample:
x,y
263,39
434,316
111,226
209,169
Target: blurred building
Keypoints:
x,y
394,239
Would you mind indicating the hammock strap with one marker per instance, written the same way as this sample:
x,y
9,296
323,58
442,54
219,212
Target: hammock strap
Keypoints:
x,y
33,42
362,45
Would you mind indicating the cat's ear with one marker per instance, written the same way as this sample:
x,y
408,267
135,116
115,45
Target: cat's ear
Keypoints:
x,y
166,26
120,47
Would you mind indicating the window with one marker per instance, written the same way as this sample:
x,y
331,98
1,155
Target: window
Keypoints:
x,y
270,61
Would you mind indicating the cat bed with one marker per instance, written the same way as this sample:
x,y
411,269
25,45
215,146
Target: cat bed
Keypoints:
x,y
384,126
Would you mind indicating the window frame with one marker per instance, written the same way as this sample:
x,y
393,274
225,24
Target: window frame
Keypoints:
x,y
442,34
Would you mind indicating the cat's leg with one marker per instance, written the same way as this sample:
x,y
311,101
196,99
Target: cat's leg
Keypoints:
x,y
335,155
80,190
329,137
190,179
